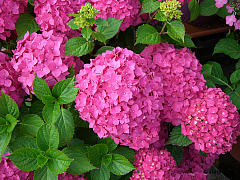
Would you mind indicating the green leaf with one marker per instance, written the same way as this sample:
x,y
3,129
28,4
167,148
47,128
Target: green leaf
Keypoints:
x,y
208,8
65,91
147,34
109,142
235,96
176,30
41,88
177,152
149,6
58,162
111,29
78,46
177,138
24,142
25,158
30,124
47,137
106,160
160,16
126,152
41,160
80,164
194,9
213,71
65,125
87,32
203,153
187,42
26,22
100,174
101,22
72,25
104,49
235,76
4,141
3,125
100,37
223,12
13,122
8,106
36,108
96,152
229,47
51,112
120,165
44,174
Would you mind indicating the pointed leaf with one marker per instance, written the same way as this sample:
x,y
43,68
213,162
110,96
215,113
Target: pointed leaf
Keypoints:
x,y
12,122
177,138
149,6
24,142
176,30
104,49
8,106
96,152
177,152
51,112
4,141
44,174
86,32
147,34
194,9
100,174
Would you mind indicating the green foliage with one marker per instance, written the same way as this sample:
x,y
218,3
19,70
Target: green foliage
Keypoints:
x,y
100,37
235,76
51,112
44,173
194,9
24,142
4,141
26,22
109,142
208,8
160,16
147,34
8,106
104,49
177,138
149,6
177,152
96,152
86,32
176,30
100,174
126,152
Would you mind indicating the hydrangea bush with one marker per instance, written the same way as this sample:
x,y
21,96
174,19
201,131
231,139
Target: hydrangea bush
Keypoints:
x,y
110,90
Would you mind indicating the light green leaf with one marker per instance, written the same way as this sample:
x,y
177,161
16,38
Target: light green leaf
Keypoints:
x,y
65,91
47,137
44,174
194,9
177,152
72,25
4,141
25,158
104,49
149,6
126,152
177,138
120,165
96,152
51,112
12,122
26,22
41,160
78,46
106,160
208,8
229,47
3,125
100,37
8,106
101,22
160,16
24,142
86,32
176,30
58,162
147,34
100,174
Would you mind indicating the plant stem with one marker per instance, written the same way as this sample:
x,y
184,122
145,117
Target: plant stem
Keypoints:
x,y
164,27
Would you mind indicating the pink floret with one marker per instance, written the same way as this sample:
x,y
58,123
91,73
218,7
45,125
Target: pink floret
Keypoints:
x,y
120,98
181,77
212,122
9,13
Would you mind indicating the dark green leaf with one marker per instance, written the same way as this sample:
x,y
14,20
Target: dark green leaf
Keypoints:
x,y
51,112
8,106
100,174
235,96
3,125
149,6
235,76
104,49
80,164
86,32
25,158
72,25
126,152
120,165
12,122
26,22
41,160
96,152
58,162
203,154
40,88
44,174
187,42
106,160
109,142
30,124
177,138
194,9
229,47
4,141
147,34
100,37
208,8
177,152
65,91
47,137
222,12
176,30
65,125
36,108
78,46
24,142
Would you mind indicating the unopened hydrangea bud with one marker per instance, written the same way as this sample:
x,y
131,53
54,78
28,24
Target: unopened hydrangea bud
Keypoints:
x,y
171,9
86,14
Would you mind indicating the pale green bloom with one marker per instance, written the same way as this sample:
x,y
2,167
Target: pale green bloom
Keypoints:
x,y
171,9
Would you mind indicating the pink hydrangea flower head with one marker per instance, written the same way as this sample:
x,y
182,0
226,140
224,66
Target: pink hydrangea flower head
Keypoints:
x,y
55,14
121,98
127,10
9,13
42,54
67,176
230,9
230,19
237,24
212,122
153,164
8,171
8,80
220,3
181,77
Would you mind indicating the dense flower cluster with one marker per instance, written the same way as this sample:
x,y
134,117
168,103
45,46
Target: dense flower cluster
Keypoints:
x,y
42,54
66,176
212,122
9,13
121,98
8,80
181,77
127,10
153,164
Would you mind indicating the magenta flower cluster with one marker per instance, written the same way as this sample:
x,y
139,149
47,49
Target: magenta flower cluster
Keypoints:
x,y
42,54
120,98
8,81
9,13
212,122
181,78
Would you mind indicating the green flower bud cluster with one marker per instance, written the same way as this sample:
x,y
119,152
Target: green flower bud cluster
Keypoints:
x,y
86,15
171,9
